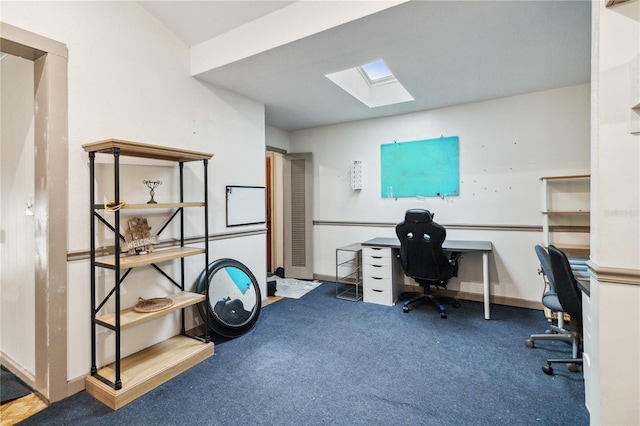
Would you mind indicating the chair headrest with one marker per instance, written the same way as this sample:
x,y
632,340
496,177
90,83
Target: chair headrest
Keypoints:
x,y
418,216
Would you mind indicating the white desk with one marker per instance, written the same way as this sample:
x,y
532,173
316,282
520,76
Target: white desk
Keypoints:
x,y
484,247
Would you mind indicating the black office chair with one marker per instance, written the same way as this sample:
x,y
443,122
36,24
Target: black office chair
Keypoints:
x,y
423,259
551,302
570,299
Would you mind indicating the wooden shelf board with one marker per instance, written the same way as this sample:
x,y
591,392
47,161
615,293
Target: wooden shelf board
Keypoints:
x,y
142,150
157,256
566,212
163,205
565,177
570,228
129,317
148,369
568,247
155,206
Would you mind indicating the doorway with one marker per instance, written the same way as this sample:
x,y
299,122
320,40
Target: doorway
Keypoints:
x,y
268,187
289,214
50,170
275,214
17,241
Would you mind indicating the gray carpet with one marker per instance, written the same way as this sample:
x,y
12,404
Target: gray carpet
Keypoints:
x,y
322,360
11,387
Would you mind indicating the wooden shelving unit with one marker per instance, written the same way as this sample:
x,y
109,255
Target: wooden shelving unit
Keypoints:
x,y
562,209
128,378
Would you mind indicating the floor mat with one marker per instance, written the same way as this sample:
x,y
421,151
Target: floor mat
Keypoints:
x,y
12,387
294,289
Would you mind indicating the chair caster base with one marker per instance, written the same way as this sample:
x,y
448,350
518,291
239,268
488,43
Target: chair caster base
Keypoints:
x,y
429,298
443,313
572,365
530,343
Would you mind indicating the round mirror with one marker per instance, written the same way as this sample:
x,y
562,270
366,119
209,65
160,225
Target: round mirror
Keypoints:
x,y
234,297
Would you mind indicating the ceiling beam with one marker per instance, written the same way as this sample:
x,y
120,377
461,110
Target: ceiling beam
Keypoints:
x,y
294,22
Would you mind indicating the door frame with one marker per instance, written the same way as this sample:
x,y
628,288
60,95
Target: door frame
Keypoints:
x,y
276,182
50,208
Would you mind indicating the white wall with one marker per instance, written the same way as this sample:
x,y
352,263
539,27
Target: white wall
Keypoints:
x,y
17,243
506,145
612,319
277,138
129,79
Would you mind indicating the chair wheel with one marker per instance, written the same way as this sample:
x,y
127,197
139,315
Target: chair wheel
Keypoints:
x,y
443,316
405,309
572,367
548,370
530,343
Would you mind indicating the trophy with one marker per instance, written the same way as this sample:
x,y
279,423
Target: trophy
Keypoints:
x,y
152,185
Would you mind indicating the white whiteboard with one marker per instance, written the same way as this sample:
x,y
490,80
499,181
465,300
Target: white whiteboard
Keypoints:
x,y
246,205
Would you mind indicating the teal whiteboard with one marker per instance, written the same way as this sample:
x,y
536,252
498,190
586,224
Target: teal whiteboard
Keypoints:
x,y
424,168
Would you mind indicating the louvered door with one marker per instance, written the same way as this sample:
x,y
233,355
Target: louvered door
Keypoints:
x,y
298,212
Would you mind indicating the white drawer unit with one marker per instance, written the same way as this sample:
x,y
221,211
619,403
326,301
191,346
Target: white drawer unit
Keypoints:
x,y
377,256
379,290
382,276
378,271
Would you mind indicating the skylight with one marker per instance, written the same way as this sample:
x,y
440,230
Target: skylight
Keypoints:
x,y
372,84
376,73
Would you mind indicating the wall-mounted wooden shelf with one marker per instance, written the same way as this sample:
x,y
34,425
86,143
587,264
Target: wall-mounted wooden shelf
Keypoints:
x,y
572,247
566,212
565,177
569,215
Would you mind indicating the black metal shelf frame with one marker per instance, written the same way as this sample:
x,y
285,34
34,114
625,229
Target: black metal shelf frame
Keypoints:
x,y
119,279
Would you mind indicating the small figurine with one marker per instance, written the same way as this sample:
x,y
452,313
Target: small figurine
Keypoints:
x,y
152,185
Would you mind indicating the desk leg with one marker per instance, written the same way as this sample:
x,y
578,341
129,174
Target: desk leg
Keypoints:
x,y
485,280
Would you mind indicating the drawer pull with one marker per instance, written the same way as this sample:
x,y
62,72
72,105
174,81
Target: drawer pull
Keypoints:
x,y
377,257
377,291
375,278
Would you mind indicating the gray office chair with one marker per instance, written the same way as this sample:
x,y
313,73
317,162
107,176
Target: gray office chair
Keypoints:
x,y
551,302
570,299
423,259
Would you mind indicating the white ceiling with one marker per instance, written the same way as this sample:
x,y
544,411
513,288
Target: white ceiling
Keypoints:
x,y
444,53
